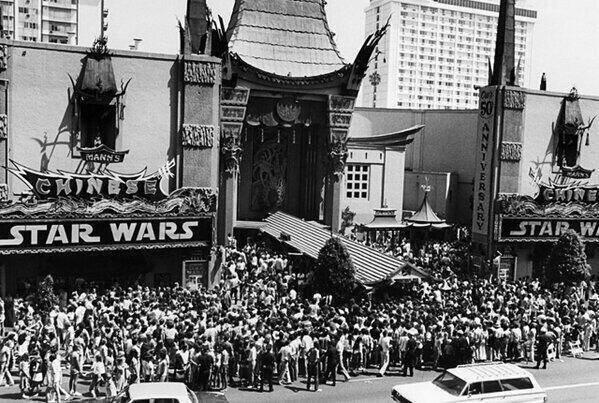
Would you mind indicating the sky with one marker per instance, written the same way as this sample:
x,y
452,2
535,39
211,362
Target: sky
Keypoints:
x,y
565,44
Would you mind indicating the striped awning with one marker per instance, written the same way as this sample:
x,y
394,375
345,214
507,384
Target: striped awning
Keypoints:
x,y
371,265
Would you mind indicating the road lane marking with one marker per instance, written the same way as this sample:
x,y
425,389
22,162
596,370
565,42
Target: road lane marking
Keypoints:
x,y
576,385
364,379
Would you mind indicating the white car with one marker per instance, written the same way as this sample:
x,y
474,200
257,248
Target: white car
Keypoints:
x,y
157,392
492,382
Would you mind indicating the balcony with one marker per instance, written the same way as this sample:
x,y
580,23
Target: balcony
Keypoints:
x,y
62,4
63,34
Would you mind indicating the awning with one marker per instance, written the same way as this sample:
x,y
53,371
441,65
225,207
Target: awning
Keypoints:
x,y
371,265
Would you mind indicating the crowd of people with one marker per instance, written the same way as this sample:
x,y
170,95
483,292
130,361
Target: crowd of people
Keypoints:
x,y
257,327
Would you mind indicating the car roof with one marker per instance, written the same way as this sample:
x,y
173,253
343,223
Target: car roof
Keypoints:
x,y
488,372
158,390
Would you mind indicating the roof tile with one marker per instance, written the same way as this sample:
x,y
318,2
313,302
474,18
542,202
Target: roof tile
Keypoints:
x,y
284,37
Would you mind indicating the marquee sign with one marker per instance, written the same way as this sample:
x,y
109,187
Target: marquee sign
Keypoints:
x,y
34,236
102,154
547,229
483,193
108,184
578,194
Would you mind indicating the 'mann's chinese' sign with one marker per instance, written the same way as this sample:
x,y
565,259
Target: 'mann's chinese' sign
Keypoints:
x,y
108,184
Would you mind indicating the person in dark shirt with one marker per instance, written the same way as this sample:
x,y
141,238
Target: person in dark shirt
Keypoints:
x,y
266,361
543,341
205,362
331,363
410,360
313,358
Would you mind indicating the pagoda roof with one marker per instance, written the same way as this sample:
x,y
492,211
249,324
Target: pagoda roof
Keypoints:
x,y
400,138
287,38
426,215
385,219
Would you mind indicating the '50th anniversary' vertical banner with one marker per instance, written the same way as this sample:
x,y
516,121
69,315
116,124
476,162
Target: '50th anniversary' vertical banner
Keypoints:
x,y
483,183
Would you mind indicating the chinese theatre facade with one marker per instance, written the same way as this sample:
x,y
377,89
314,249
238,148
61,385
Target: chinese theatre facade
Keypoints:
x,y
537,168
537,176
132,167
287,105
111,166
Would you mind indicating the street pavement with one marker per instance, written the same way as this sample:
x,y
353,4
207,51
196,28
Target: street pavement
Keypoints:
x,y
572,380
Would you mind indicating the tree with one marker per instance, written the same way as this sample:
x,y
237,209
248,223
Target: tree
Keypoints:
x,y
45,298
335,273
567,262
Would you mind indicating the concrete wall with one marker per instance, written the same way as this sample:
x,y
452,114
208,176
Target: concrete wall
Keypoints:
x,y
538,146
444,145
41,111
386,181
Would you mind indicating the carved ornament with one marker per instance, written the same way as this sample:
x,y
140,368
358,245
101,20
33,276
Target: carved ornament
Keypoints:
x,y
341,103
235,96
338,152
340,119
196,72
3,126
197,136
511,151
231,149
514,99
3,57
233,113
288,109
184,201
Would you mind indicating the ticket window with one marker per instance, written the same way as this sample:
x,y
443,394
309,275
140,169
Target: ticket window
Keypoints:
x,y
195,273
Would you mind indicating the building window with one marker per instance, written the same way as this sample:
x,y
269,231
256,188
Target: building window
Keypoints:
x,y
356,180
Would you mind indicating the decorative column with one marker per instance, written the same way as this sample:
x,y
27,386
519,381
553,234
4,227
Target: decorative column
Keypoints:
x,y
198,133
340,110
4,119
233,105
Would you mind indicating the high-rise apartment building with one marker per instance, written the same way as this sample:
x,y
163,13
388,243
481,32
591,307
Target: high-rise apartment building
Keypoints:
x,y
54,21
437,51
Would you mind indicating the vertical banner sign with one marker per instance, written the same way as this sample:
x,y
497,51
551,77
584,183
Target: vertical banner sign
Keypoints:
x,y
483,192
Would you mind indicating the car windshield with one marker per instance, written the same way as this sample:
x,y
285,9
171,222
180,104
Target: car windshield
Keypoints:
x,y
450,383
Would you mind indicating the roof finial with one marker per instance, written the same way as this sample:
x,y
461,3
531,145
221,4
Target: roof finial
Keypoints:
x,y
505,46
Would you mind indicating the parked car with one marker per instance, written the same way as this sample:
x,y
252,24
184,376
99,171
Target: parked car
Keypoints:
x,y
156,392
490,382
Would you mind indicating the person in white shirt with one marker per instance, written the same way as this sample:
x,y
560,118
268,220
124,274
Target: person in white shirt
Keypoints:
x,y
56,378
307,343
340,349
385,343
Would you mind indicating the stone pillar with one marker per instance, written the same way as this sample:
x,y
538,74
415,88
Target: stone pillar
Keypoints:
x,y
197,139
233,105
510,149
199,131
340,110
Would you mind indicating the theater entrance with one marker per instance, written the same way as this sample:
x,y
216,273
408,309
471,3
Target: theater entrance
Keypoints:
x,y
83,271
